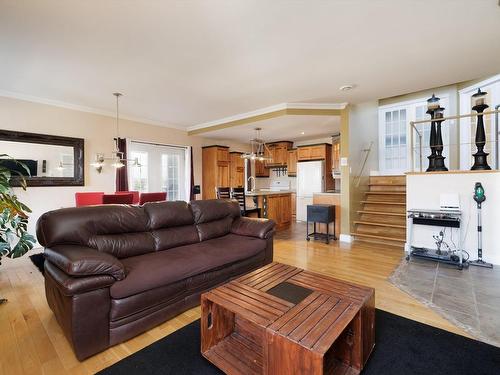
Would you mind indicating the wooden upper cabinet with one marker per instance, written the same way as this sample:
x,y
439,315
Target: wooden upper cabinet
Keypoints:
x,y
304,153
313,152
279,153
336,156
237,170
292,162
260,169
319,152
216,173
222,154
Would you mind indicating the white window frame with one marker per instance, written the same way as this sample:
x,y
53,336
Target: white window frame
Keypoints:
x,y
410,106
467,148
155,172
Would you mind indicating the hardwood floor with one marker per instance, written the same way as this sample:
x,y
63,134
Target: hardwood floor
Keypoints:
x,y
31,341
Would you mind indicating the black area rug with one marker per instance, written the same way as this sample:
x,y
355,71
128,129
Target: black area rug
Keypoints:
x,y
403,347
38,261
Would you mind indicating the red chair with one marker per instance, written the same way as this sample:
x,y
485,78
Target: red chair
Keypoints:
x,y
133,192
153,197
118,198
88,198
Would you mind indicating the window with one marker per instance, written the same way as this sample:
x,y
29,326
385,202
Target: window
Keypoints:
x,y
394,136
468,125
162,168
139,174
170,165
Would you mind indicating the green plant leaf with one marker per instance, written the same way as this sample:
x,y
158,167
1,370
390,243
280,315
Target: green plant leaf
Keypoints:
x,y
13,214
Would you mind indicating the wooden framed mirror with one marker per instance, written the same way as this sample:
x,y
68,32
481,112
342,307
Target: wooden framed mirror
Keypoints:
x,y
52,160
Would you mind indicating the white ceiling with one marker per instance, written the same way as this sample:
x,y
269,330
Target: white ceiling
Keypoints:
x,y
284,128
188,62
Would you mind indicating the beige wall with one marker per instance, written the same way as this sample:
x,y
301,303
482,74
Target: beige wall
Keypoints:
x,y
363,129
98,132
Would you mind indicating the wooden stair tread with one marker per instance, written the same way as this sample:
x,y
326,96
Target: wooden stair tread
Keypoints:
x,y
385,192
380,213
379,237
379,224
386,202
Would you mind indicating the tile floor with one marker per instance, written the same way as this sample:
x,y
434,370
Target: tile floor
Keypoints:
x,y
469,298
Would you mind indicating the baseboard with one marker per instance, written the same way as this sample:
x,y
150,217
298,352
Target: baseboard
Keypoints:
x,y
345,238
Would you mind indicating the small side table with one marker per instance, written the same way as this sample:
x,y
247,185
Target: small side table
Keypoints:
x,y
321,213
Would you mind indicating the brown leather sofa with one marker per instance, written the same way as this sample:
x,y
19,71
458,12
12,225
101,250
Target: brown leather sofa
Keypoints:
x,y
112,272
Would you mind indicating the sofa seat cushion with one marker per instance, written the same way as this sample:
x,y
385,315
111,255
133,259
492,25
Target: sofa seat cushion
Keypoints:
x,y
154,270
139,306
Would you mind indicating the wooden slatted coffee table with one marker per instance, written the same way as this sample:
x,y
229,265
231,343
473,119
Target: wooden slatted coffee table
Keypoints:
x,y
284,320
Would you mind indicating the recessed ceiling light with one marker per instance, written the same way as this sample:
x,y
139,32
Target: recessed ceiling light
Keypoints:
x,y
302,133
346,87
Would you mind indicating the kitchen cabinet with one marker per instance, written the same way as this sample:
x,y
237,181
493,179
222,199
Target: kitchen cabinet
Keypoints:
x,y
216,169
279,153
292,162
314,152
319,152
260,169
293,200
277,207
336,155
236,170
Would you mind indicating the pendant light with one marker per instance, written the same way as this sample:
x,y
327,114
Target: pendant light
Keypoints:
x,y
259,149
117,157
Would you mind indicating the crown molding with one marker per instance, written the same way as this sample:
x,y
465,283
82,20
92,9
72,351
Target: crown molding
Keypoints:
x,y
81,108
282,109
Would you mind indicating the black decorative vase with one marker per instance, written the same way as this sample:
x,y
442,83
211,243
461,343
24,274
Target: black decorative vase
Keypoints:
x,y
480,157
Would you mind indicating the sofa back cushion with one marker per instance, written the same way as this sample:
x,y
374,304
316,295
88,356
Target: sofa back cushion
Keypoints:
x,y
77,225
214,217
126,231
172,224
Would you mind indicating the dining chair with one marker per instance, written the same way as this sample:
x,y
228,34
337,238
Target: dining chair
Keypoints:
x,y
239,195
118,198
223,192
153,197
87,198
133,192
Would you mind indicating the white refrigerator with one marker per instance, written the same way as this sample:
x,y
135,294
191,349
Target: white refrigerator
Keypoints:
x,y
310,179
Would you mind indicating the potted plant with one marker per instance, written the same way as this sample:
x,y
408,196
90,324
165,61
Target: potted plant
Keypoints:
x,y
15,240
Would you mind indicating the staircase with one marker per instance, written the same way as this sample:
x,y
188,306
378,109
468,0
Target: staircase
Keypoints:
x,y
382,217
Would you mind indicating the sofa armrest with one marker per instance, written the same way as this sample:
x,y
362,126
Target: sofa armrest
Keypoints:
x,y
252,227
76,260
70,285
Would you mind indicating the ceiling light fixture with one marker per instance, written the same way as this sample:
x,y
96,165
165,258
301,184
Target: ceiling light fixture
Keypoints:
x,y
259,151
117,157
302,133
346,87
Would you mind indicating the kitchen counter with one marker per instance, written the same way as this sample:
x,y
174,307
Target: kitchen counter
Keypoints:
x,y
328,193
258,193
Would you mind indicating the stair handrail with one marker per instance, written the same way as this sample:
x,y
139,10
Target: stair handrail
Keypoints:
x,y
365,159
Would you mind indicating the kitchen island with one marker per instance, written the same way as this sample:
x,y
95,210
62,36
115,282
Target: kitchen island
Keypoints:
x,y
276,205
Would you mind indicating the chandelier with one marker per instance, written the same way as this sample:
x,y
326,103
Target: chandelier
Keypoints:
x,y
259,149
117,158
